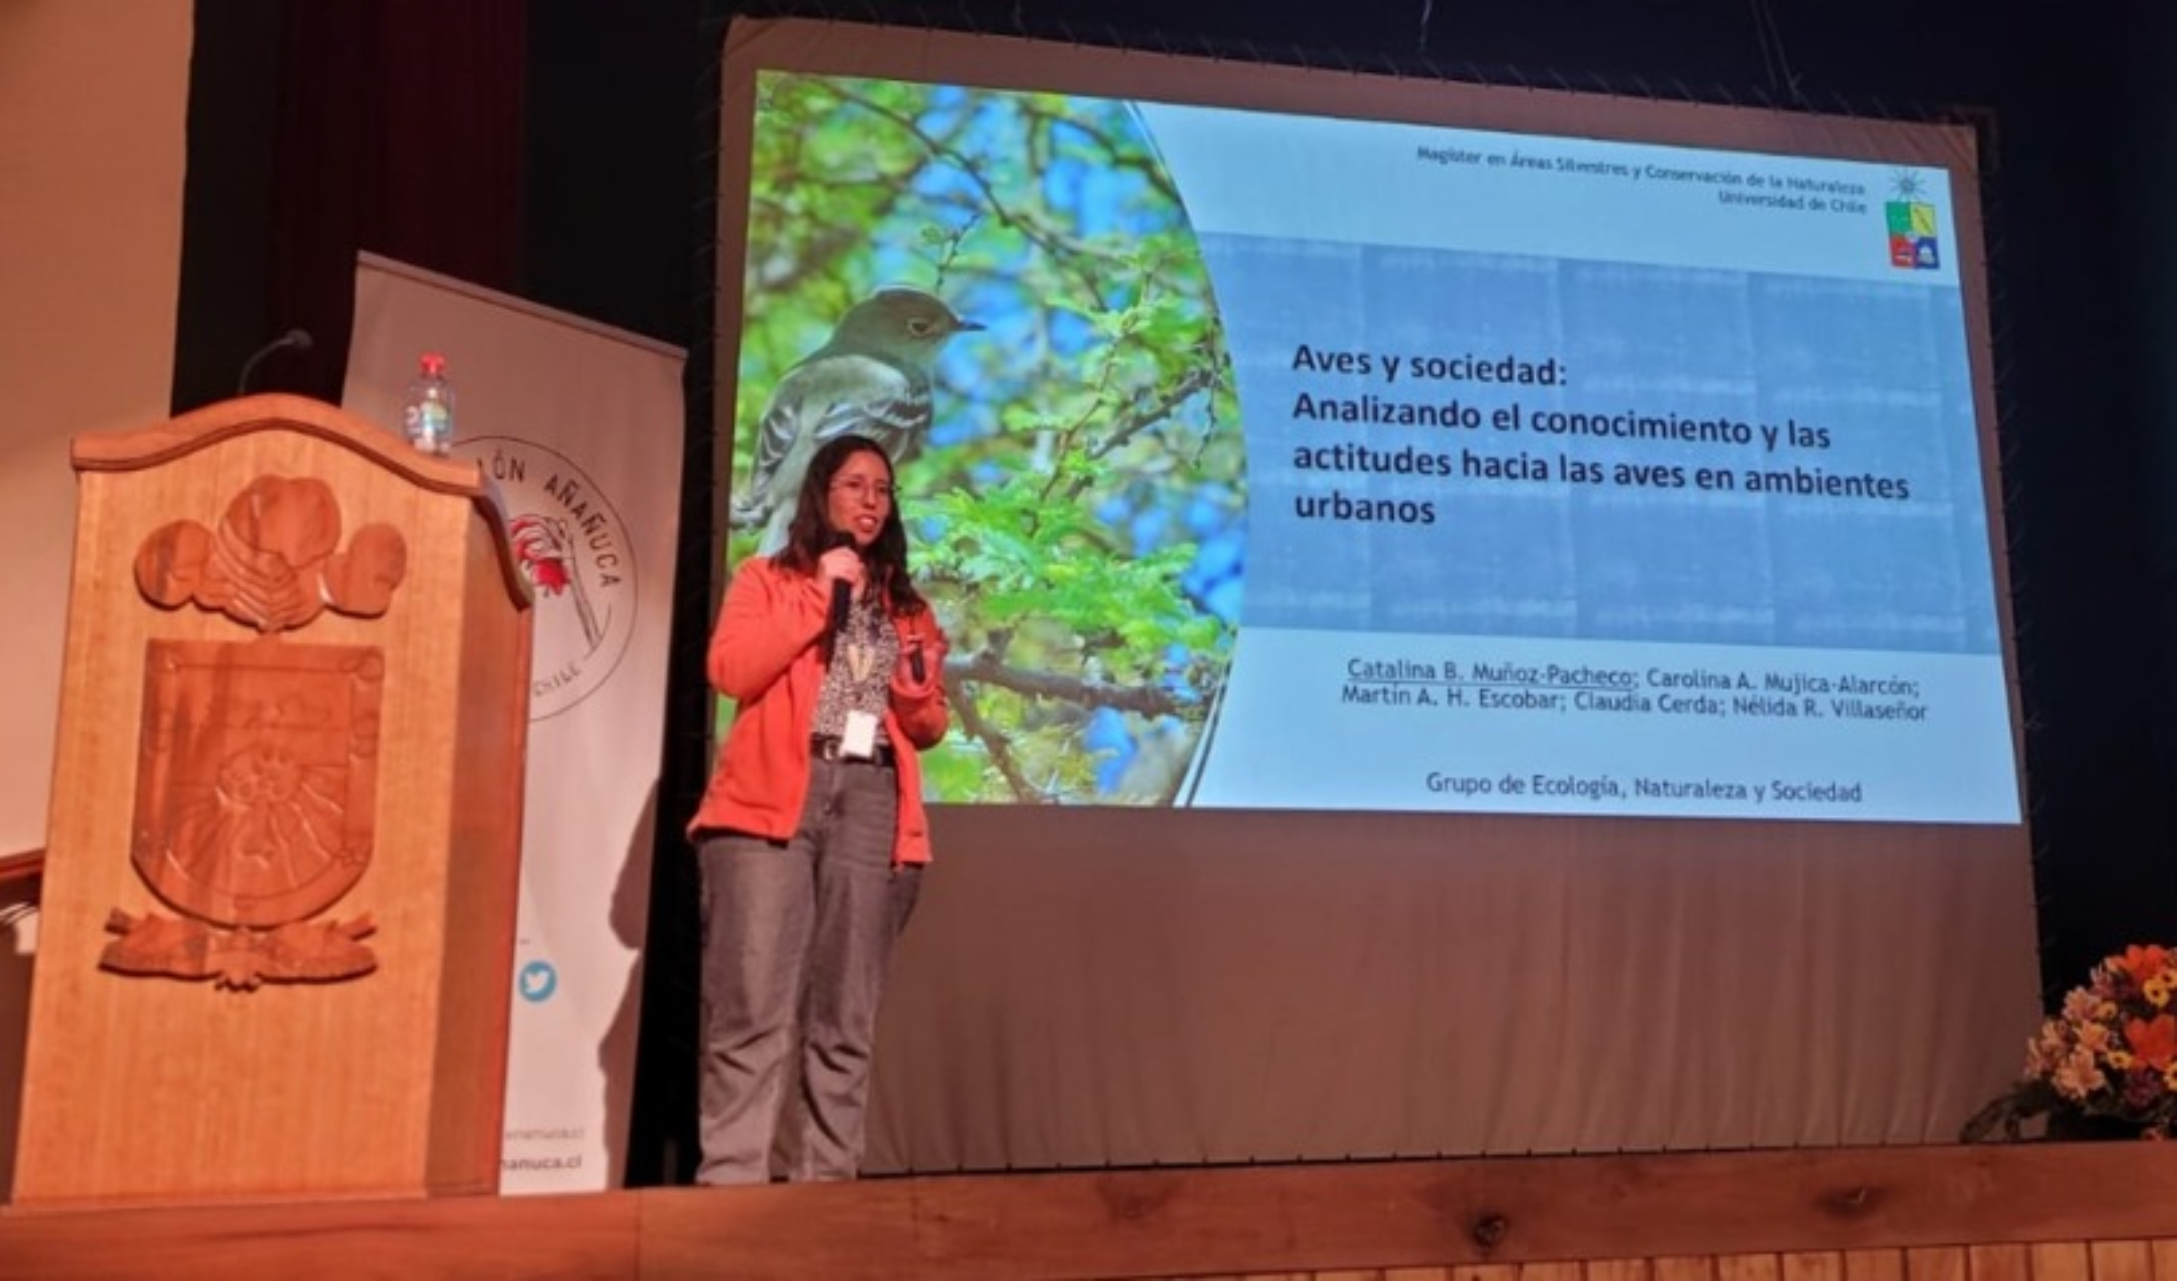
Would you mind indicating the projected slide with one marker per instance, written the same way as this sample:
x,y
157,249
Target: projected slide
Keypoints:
x,y
1327,464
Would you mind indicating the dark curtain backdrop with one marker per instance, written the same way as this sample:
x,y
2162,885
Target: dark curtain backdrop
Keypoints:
x,y
400,132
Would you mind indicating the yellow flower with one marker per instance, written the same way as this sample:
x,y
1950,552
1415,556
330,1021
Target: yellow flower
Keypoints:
x,y
2118,1059
2169,1078
2157,990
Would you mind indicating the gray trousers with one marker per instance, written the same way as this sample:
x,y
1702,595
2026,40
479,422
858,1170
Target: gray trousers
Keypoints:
x,y
797,937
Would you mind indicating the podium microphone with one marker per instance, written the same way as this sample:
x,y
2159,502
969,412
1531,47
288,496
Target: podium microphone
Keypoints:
x,y
293,339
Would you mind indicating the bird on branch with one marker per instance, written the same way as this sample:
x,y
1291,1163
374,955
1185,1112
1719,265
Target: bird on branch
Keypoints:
x,y
871,378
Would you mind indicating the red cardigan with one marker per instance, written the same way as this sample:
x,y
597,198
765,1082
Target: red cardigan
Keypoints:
x,y
764,655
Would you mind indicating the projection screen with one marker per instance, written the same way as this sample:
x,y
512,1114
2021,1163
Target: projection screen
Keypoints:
x,y
1478,617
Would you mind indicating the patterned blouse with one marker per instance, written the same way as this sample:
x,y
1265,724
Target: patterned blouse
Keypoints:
x,y
860,676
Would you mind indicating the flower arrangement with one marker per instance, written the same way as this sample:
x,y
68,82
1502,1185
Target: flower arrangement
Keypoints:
x,y
2107,1060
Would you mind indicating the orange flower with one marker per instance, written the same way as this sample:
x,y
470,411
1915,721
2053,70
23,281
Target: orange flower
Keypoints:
x,y
2142,963
2155,1043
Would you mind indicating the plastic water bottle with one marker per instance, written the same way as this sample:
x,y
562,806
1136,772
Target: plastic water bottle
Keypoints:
x,y
428,416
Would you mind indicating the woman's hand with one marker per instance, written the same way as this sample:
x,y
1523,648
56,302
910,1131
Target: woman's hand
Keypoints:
x,y
915,676
841,565
918,697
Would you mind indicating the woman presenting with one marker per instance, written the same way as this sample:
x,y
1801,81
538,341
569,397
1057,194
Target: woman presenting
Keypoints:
x,y
812,834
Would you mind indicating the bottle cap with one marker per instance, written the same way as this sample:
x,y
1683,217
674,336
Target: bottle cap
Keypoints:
x,y
434,365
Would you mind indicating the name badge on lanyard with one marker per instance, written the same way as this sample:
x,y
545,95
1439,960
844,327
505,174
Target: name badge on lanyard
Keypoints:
x,y
859,740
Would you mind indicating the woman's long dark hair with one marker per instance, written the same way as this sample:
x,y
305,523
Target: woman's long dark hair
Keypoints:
x,y
810,536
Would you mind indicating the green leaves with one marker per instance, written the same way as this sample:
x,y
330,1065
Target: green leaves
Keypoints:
x,y
1087,447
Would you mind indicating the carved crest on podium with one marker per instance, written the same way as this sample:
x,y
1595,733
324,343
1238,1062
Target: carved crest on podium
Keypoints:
x,y
274,561
257,768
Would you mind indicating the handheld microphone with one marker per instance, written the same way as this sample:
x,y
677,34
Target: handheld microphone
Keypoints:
x,y
842,594
293,339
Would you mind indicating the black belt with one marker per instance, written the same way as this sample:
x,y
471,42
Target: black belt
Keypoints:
x,y
825,747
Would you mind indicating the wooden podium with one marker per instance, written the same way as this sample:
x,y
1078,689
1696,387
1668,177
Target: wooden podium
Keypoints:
x,y
280,885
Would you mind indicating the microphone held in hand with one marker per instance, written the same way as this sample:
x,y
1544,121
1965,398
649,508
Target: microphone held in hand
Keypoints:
x,y
842,593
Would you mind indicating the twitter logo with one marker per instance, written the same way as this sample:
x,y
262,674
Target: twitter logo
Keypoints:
x,y
537,981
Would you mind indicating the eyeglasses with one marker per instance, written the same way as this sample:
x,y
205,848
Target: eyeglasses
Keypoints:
x,y
863,489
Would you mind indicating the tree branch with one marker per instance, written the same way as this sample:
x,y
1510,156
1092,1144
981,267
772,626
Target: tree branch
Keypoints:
x,y
1197,380
1116,156
1063,251
986,668
1001,753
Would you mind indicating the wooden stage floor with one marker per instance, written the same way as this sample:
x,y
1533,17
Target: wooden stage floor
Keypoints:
x,y
2024,1212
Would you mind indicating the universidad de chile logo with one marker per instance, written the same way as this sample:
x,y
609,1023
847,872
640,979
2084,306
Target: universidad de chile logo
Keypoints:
x,y
1913,245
